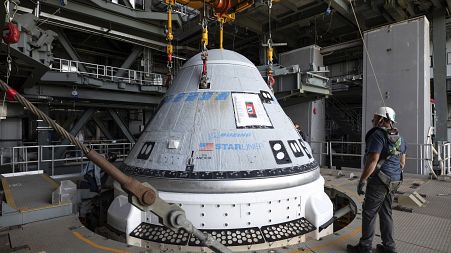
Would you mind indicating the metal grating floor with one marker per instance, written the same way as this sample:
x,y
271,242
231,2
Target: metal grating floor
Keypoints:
x,y
422,230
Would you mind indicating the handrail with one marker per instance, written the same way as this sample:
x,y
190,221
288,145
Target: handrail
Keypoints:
x,y
24,157
424,154
108,72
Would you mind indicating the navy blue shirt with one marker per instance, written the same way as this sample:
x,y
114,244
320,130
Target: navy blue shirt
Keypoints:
x,y
377,142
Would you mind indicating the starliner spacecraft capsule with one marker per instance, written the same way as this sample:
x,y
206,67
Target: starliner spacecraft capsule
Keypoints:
x,y
230,157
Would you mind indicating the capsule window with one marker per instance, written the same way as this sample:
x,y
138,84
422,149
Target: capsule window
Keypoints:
x,y
266,97
280,153
295,148
146,150
304,147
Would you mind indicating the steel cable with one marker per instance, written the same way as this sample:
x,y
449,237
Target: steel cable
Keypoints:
x,y
46,118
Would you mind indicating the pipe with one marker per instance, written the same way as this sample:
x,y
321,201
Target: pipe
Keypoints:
x,y
146,196
338,214
39,97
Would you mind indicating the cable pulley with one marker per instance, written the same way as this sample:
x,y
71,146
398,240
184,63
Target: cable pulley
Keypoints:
x,y
10,32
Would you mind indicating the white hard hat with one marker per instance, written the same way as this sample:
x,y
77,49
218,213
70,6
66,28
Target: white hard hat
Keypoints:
x,y
385,111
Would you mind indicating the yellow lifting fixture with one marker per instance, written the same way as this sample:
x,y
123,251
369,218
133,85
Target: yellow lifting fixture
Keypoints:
x,y
221,32
169,34
224,11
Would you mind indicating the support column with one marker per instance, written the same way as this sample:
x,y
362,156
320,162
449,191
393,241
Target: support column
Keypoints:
x,y
103,128
70,49
439,66
85,117
44,138
122,126
136,52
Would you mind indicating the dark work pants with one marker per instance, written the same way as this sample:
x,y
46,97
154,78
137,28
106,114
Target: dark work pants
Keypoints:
x,y
378,200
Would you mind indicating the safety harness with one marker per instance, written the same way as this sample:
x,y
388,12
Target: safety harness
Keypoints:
x,y
394,140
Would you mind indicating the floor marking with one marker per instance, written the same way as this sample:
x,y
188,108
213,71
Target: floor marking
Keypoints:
x,y
95,245
8,195
335,242
50,180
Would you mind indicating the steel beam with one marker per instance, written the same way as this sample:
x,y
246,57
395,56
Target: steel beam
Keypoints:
x,y
102,128
126,2
188,29
90,128
315,9
136,37
85,117
122,126
44,131
69,49
289,5
131,20
93,94
66,124
89,81
342,7
437,4
147,14
439,65
250,24
136,52
299,23
341,46
2,15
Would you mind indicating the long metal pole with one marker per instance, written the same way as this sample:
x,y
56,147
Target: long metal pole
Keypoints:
x,y
146,196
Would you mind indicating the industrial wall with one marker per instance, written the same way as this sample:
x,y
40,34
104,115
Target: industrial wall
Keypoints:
x,y
11,125
311,116
400,54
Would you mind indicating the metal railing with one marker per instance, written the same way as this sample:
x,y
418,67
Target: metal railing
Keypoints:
x,y
25,158
423,153
28,158
444,156
107,72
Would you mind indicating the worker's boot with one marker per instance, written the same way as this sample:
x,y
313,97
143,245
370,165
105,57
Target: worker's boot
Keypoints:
x,y
358,249
382,249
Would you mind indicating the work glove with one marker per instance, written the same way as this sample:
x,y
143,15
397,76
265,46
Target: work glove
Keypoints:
x,y
360,187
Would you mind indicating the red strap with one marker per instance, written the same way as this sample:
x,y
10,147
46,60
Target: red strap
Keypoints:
x,y
11,94
170,58
204,66
272,81
11,33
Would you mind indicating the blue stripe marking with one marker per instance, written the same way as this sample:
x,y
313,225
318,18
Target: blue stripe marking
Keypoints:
x,y
167,99
192,96
179,97
206,96
223,95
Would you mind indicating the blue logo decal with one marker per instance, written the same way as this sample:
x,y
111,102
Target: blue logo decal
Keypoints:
x,y
217,135
238,146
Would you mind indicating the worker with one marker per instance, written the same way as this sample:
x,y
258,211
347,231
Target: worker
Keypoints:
x,y
385,157
300,131
94,176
